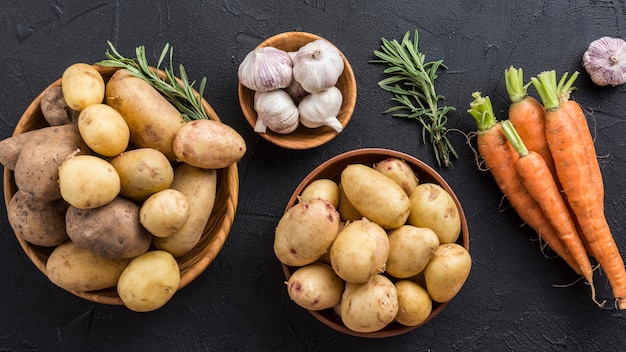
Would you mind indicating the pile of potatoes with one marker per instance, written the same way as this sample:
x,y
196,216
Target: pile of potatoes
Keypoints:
x,y
118,185
377,246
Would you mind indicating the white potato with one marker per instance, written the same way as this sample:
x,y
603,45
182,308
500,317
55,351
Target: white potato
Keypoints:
x,y
305,232
360,250
369,306
323,189
88,182
399,171
164,212
104,130
410,249
315,287
433,207
375,196
82,86
414,303
149,281
447,271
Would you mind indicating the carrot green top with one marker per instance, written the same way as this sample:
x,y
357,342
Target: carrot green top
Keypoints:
x,y
482,111
513,137
515,87
551,93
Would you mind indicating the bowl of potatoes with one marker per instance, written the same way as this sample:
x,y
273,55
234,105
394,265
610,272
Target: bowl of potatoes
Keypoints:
x,y
103,211
309,100
373,243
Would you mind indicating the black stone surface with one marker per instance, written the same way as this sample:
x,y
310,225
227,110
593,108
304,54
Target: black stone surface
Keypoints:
x,y
509,303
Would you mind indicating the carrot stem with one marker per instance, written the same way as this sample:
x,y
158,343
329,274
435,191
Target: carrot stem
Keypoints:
x,y
515,87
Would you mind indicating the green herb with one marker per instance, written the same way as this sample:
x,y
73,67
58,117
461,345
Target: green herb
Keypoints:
x,y
412,81
182,96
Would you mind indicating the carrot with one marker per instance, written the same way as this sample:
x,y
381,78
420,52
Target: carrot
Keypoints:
x,y
538,180
527,115
500,157
564,89
573,167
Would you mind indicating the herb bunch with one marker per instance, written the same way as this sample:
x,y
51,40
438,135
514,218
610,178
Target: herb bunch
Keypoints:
x,y
178,93
412,81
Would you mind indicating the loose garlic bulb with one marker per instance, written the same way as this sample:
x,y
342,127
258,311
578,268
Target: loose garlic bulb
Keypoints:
x,y
321,109
266,68
605,61
275,110
317,66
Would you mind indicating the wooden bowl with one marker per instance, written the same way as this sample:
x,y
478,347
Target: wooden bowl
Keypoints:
x,y
191,264
302,137
331,169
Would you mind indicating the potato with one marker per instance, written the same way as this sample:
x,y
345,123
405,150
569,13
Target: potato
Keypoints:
x,y
54,108
111,231
369,306
11,147
360,250
433,207
399,171
315,287
88,182
143,172
77,269
153,121
322,188
200,188
414,303
305,232
82,86
410,249
375,196
164,212
104,130
208,144
149,281
347,211
37,168
447,271
39,223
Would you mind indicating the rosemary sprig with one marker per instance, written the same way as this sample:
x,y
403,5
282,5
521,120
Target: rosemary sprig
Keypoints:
x,y
180,94
412,83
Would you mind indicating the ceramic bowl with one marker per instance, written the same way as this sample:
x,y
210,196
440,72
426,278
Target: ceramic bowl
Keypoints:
x,y
302,137
331,169
191,264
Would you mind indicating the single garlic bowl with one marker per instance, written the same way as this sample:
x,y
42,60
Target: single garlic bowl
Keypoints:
x,y
302,137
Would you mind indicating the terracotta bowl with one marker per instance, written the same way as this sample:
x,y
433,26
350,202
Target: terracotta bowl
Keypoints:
x,y
331,169
191,264
302,137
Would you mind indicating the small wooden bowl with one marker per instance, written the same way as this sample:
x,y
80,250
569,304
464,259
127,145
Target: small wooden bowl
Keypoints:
x,y
191,264
302,137
331,169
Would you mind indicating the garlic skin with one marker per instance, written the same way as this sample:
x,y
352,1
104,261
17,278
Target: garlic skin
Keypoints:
x,y
317,66
275,110
265,69
321,109
605,61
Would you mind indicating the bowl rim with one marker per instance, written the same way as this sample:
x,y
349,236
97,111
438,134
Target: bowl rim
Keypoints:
x,y
394,329
191,264
320,135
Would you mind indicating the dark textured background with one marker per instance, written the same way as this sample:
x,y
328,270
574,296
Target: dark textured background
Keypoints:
x,y
240,303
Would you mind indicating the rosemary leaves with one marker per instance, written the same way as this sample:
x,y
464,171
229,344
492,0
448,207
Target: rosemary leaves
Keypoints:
x,y
412,81
179,92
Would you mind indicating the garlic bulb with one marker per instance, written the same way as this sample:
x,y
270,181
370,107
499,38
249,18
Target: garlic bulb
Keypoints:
x,y
321,109
276,111
296,91
265,69
605,61
317,65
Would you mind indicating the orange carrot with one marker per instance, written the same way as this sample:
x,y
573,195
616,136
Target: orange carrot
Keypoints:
x,y
540,183
574,173
527,115
564,89
500,158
